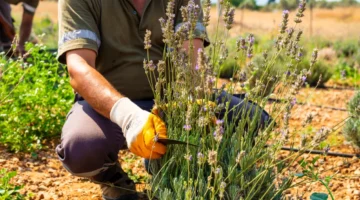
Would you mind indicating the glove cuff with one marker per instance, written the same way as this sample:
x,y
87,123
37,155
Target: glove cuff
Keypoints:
x,y
123,112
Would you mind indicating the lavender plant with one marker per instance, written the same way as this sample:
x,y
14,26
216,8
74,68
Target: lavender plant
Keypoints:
x,y
352,126
233,158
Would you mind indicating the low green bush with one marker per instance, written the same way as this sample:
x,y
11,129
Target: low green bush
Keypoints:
x,y
346,71
288,4
351,129
346,48
228,69
34,99
324,4
268,74
9,191
320,72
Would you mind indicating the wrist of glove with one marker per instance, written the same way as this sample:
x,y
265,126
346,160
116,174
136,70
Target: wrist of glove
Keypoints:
x,y
140,128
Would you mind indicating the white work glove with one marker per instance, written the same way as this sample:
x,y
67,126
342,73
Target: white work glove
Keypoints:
x,y
140,128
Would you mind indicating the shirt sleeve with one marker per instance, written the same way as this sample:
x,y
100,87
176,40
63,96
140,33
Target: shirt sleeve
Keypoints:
x,y
78,26
200,30
30,6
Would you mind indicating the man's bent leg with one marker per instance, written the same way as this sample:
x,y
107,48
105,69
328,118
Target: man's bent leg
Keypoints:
x,y
240,109
89,147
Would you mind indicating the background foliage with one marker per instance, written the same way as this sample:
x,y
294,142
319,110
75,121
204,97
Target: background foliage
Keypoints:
x,y
35,97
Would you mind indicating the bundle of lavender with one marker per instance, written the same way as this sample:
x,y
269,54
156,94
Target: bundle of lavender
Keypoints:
x,y
229,159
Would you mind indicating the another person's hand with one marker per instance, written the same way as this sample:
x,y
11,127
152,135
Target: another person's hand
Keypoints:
x,y
20,50
140,128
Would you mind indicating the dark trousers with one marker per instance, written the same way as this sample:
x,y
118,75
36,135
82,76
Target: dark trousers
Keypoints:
x,y
90,142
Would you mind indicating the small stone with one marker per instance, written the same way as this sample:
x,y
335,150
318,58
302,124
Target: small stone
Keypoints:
x,y
357,172
33,188
356,192
15,160
40,196
340,163
2,161
47,182
43,188
60,194
29,164
56,183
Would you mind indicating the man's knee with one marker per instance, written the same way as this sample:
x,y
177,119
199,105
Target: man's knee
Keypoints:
x,y
84,154
241,109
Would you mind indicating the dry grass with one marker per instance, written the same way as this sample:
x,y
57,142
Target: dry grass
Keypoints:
x,y
331,24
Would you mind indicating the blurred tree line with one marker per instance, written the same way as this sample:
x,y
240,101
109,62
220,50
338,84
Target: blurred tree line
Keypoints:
x,y
291,4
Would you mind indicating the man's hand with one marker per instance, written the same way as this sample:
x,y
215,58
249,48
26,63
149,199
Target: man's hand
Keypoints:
x,y
140,129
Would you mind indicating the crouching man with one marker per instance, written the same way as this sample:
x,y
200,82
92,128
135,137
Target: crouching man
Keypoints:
x,y
102,43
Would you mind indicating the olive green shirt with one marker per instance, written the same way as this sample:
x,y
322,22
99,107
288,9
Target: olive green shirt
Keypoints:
x,y
29,5
115,31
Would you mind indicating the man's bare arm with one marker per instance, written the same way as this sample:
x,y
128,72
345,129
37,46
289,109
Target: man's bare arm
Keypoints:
x,y
198,44
89,83
25,30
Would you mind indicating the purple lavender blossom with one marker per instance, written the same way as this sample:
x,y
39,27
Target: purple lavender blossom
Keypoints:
x,y
301,6
219,122
343,74
293,102
217,170
204,109
288,73
211,79
303,78
327,149
251,39
187,127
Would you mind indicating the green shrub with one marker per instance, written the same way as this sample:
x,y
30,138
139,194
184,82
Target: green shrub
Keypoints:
x,y
324,4
9,191
268,74
346,71
47,32
35,97
228,69
321,72
236,3
351,129
346,48
288,4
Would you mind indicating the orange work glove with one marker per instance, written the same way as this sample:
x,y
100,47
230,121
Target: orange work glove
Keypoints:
x,y
140,129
